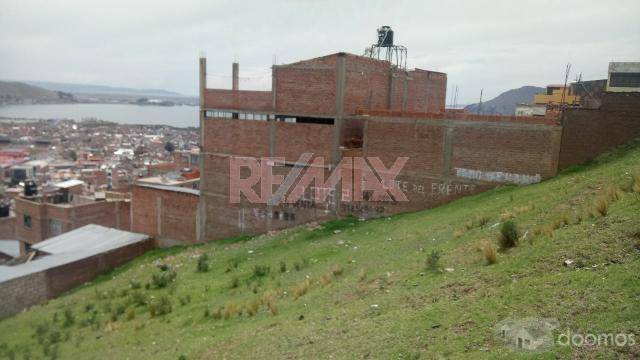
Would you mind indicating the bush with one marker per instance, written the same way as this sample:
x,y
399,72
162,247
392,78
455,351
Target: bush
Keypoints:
x,y
137,298
163,279
509,235
131,314
337,270
134,284
283,267
203,263
273,308
184,300
261,270
302,288
483,220
163,267
160,306
432,262
69,319
601,206
235,282
490,254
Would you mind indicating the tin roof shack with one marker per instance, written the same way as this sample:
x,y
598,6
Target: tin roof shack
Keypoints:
x,y
64,262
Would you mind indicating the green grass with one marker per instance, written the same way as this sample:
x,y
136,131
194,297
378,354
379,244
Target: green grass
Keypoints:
x,y
382,303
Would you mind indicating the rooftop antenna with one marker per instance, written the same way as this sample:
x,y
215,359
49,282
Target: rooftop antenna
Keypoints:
x,y
455,98
564,89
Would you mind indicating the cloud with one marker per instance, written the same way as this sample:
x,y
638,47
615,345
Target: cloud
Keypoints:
x,y
492,45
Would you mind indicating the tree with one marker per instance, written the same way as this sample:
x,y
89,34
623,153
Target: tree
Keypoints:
x,y
169,147
73,156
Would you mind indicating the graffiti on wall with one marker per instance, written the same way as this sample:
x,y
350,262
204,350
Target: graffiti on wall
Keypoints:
x,y
498,176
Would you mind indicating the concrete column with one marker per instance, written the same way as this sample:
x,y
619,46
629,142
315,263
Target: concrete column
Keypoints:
x,y
273,87
447,152
235,75
159,216
337,126
201,204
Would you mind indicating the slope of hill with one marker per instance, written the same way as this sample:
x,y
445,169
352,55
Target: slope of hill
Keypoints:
x,y
101,89
12,92
505,103
361,289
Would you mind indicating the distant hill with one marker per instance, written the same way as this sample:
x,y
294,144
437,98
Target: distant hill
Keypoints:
x,y
13,92
505,103
101,89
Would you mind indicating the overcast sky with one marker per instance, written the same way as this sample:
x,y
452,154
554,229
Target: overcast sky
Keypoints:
x,y
495,45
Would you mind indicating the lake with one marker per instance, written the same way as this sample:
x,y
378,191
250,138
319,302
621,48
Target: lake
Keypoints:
x,y
179,116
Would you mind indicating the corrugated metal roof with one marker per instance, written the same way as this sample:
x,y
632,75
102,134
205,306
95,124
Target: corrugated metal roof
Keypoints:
x,y
10,247
69,247
170,188
69,183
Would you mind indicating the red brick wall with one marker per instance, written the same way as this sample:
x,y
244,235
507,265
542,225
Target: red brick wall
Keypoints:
x,y
238,100
515,150
114,214
177,214
8,228
294,139
588,133
239,137
306,90
423,144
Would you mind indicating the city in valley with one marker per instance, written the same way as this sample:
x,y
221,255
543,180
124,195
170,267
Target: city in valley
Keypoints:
x,y
327,179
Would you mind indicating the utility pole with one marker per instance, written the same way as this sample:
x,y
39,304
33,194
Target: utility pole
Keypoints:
x,y
480,103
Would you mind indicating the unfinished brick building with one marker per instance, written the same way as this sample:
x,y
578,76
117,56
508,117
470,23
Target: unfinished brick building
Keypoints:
x,y
344,105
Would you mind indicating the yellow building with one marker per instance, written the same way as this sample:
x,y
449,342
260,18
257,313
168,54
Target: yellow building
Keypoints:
x,y
554,96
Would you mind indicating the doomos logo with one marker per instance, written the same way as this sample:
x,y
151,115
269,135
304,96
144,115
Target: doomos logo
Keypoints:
x,y
361,179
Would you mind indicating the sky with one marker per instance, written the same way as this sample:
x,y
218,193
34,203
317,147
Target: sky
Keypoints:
x,y
491,45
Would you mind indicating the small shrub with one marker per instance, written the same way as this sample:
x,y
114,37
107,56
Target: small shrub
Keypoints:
x,y
184,300
362,275
203,263
252,307
163,267
297,266
131,314
88,307
337,270
482,220
235,282
217,315
601,206
468,224
160,306
302,289
134,284
509,235
207,313
635,187
137,298
325,279
261,270
69,319
457,234
507,215
490,253
614,193
283,267
433,260
229,311
163,279
273,308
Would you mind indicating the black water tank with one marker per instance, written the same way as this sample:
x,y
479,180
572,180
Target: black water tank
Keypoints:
x,y
30,188
385,36
4,209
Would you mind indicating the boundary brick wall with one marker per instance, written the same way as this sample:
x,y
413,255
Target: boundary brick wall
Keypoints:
x,y
20,293
8,228
591,132
177,212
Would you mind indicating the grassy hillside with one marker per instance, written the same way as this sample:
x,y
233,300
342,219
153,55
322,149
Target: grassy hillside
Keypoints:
x,y
362,289
506,102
